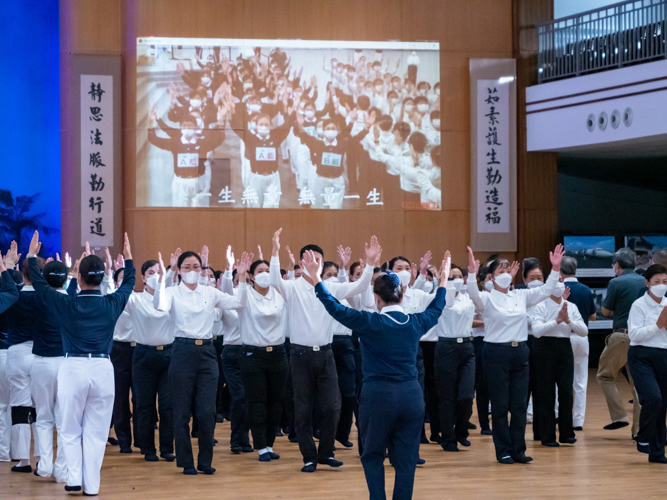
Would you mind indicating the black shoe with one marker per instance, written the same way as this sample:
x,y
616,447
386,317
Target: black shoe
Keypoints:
x,y
25,468
506,460
578,428
421,461
274,456
523,459
190,471
449,446
246,448
215,441
35,471
316,434
236,450
487,432
642,448
206,469
346,443
616,425
72,488
464,442
424,439
552,444
89,494
126,450
219,418
293,439
331,462
169,457
471,426
279,433
435,438
151,457
264,457
658,460
112,442
309,468
568,440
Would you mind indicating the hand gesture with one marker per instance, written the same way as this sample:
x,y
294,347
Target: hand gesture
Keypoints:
x,y
50,259
445,269
344,255
259,252
562,315
244,265
556,257
230,258
276,243
12,256
108,261
413,270
180,67
152,114
204,258
373,252
75,267
313,265
376,133
173,260
473,265
161,269
514,268
2,263
35,244
120,262
291,258
88,251
424,262
58,257
68,260
662,319
313,81
566,293
127,251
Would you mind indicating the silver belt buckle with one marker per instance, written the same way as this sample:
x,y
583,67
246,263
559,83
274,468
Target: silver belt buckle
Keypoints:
x,y
316,348
515,344
133,344
459,340
269,349
215,337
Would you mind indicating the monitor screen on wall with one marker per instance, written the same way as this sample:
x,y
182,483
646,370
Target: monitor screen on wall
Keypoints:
x,y
297,124
600,323
594,255
645,247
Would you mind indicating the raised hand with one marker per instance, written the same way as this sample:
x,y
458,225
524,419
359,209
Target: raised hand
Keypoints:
x,y
413,270
345,255
120,262
127,251
563,317
566,293
514,268
276,243
12,256
291,257
259,250
88,251
445,269
242,268
204,259
373,252
50,259
313,265
424,262
58,257
173,260
68,260
473,265
75,267
161,269
35,244
230,258
108,261
556,257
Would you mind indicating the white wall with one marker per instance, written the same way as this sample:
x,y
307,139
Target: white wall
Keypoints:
x,y
565,8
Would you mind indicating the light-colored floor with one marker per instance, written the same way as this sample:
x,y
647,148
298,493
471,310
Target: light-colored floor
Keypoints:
x,y
601,465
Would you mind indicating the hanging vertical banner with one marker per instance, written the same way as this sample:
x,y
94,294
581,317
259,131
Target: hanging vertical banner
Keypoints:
x,y
97,160
493,157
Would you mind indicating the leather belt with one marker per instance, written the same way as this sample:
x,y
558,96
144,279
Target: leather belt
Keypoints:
x,y
86,355
315,348
458,340
161,347
256,348
508,344
194,341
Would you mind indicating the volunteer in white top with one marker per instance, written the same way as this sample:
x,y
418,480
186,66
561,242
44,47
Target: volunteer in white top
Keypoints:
x,y
554,321
647,360
455,363
263,357
478,332
506,354
154,335
312,362
193,369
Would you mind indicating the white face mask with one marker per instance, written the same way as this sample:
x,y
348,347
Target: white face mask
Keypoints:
x,y
195,103
263,280
659,290
211,282
379,89
255,107
535,284
437,91
436,124
263,131
428,287
409,107
309,113
206,81
190,277
423,108
330,134
188,133
423,91
458,284
152,281
405,277
560,290
332,279
489,286
504,280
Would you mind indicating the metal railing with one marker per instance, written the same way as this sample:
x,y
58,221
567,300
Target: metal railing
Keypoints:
x,y
611,37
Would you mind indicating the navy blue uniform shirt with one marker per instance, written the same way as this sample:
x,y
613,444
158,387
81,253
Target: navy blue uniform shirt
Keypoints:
x,y
389,341
22,318
88,318
47,338
582,297
8,291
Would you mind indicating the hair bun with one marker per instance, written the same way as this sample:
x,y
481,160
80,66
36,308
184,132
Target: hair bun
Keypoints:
x,y
394,279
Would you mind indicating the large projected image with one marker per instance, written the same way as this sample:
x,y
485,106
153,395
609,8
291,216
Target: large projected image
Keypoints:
x,y
288,124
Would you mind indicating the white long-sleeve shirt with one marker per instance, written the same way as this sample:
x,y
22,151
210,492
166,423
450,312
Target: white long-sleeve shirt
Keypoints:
x,y
122,331
149,326
456,318
416,301
504,314
545,325
310,324
261,317
642,327
191,311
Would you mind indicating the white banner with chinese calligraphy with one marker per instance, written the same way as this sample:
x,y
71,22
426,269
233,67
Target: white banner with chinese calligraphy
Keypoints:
x,y
493,155
97,150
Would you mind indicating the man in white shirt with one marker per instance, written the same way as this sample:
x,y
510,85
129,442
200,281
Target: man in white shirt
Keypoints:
x,y
312,362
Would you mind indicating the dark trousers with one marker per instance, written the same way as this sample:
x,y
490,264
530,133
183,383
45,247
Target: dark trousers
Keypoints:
x,y
554,365
506,371
288,405
430,386
239,408
150,368
314,375
343,351
264,376
193,376
532,387
455,375
359,385
121,358
219,397
391,415
648,367
481,391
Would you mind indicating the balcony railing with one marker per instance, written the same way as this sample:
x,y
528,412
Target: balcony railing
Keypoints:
x,y
611,37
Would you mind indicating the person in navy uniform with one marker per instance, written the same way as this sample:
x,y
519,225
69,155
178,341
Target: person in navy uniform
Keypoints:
x,y
8,291
391,408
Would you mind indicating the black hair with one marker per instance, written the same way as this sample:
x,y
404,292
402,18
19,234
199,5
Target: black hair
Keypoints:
x,y
530,264
314,248
147,265
55,274
495,265
363,102
91,269
117,273
283,272
385,122
217,274
435,114
187,254
255,264
653,270
17,277
388,287
403,129
297,266
377,270
353,267
436,156
393,261
326,265
482,273
420,99
418,141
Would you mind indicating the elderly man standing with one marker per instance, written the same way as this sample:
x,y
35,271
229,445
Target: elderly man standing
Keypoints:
x,y
622,291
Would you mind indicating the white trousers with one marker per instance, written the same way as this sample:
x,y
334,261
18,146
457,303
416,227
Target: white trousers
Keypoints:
x,y
44,386
267,189
184,192
580,349
5,410
85,396
329,193
19,364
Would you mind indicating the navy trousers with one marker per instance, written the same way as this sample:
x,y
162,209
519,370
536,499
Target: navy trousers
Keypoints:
x,y
648,367
343,350
481,391
121,358
239,407
391,415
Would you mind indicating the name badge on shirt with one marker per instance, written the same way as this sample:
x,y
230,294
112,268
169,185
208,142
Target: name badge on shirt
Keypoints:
x,y
265,154
188,160
311,131
331,159
436,139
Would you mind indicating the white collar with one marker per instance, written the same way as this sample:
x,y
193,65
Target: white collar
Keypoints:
x,y
393,308
28,288
335,142
648,298
568,280
185,141
61,290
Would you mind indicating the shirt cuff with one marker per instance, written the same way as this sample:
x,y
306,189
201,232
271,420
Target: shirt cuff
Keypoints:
x,y
369,268
228,274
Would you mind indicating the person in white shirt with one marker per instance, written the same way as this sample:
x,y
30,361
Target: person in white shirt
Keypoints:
x,y
455,363
263,359
506,354
193,369
554,321
312,362
647,360
154,336
478,332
